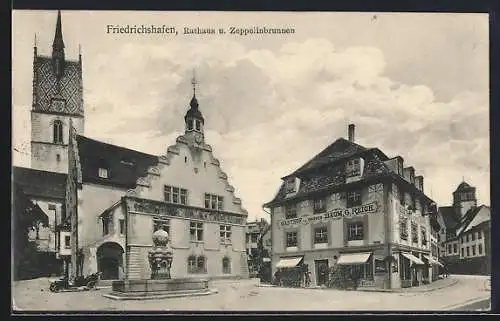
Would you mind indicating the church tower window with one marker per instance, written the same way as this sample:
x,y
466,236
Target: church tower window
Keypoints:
x,y
58,132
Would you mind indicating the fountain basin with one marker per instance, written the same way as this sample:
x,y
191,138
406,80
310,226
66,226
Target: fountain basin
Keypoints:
x,y
158,289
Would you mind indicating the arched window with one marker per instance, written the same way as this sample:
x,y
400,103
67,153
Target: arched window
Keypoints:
x,y
226,265
202,264
197,264
198,125
190,124
192,264
58,132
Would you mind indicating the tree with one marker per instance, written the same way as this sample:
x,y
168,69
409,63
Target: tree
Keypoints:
x,y
27,217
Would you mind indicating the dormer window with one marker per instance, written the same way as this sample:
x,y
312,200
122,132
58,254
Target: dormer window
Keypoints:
x,y
353,167
290,185
319,205
103,172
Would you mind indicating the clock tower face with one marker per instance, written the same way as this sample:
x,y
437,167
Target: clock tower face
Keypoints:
x,y
198,138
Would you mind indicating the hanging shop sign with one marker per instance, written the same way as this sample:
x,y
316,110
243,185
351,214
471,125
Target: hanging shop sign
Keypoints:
x,y
331,215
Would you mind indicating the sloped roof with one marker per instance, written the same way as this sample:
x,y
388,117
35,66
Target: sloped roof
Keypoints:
x,y
25,210
124,165
334,174
472,218
39,183
339,149
450,218
463,186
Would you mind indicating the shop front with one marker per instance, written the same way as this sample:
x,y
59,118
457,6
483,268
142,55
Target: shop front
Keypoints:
x,y
412,270
435,267
291,272
356,269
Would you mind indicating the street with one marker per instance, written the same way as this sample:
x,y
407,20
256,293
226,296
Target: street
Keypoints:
x,y
34,295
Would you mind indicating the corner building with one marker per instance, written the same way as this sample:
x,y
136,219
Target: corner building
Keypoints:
x,y
355,206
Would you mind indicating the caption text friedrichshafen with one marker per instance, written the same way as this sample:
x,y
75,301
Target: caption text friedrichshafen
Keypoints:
x,y
171,30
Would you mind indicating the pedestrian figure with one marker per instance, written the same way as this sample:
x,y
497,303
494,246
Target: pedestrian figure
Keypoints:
x,y
446,272
308,279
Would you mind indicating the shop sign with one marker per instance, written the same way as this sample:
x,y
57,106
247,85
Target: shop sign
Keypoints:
x,y
331,215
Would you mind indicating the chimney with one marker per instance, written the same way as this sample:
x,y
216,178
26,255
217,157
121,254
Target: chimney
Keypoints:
x,y
351,132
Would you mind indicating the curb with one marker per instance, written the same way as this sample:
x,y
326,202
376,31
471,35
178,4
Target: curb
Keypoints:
x,y
417,290
466,303
161,296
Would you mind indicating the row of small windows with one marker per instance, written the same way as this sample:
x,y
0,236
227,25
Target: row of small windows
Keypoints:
x,y
465,249
177,195
195,229
403,231
319,204
472,236
198,265
355,232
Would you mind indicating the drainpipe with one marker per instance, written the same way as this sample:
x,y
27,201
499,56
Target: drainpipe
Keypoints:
x,y
388,230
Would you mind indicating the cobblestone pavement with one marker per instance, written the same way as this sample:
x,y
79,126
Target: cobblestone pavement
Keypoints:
x,y
34,295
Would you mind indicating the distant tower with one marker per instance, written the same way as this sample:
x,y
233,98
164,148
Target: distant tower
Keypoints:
x,y
57,98
194,121
464,198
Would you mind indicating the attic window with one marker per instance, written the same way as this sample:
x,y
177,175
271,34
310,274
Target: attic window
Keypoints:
x,y
127,162
290,185
103,172
353,167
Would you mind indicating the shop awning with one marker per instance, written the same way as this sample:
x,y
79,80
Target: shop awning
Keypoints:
x,y
353,258
433,261
289,262
413,258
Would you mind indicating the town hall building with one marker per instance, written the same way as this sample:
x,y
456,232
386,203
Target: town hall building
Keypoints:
x,y
114,198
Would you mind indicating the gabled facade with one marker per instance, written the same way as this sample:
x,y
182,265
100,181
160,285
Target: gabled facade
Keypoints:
x,y
465,233
123,196
354,204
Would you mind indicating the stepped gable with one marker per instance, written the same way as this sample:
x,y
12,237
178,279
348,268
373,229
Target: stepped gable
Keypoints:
x,y
124,165
39,183
153,171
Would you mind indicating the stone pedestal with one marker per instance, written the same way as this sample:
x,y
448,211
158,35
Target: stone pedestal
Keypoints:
x,y
160,285
158,289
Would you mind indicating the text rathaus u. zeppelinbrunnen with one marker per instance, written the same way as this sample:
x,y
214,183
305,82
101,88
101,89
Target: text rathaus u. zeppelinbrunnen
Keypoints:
x,y
355,206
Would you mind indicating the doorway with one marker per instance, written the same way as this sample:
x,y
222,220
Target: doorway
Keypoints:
x,y
322,272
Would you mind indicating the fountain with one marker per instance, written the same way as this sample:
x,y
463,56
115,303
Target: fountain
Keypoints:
x,y
161,284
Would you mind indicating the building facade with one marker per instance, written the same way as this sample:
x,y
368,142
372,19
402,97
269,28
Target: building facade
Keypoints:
x,y
105,201
356,207
123,196
57,101
256,232
465,231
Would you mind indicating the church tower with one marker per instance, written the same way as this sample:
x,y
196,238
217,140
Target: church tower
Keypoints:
x,y
57,99
464,198
194,121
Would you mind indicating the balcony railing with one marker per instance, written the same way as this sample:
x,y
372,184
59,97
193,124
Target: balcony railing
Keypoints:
x,y
182,211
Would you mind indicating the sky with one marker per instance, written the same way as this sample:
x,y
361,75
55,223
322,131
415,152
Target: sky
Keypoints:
x,y
414,84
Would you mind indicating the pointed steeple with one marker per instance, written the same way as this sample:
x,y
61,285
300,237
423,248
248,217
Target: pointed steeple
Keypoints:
x,y
193,118
58,47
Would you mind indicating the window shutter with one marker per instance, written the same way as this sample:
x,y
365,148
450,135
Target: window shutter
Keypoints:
x,y
329,231
344,222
